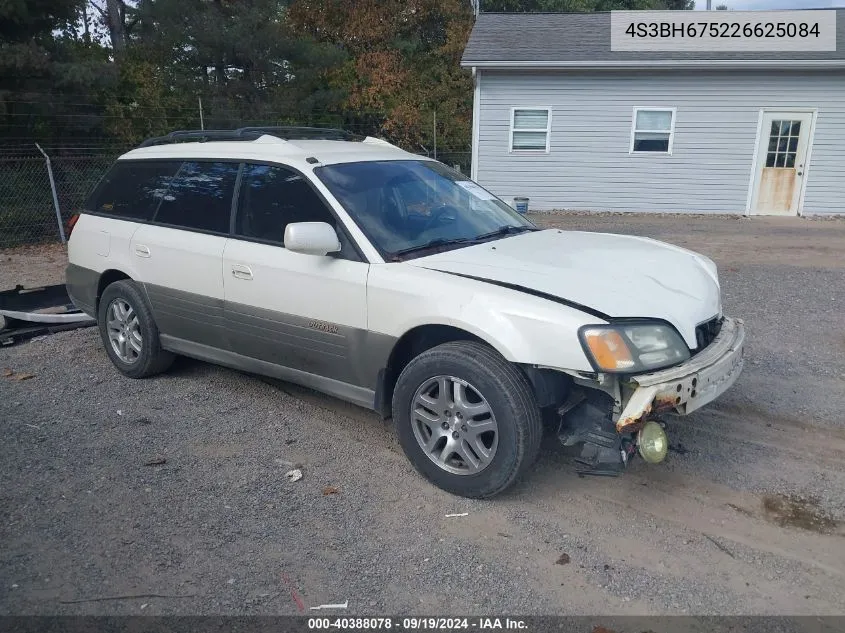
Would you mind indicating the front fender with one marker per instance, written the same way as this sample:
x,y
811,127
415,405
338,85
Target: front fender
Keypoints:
x,y
522,327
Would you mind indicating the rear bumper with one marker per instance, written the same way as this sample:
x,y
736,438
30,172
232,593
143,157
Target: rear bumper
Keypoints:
x,y
689,386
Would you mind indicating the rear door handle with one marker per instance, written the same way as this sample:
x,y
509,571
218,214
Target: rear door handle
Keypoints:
x,y
141,250
239,271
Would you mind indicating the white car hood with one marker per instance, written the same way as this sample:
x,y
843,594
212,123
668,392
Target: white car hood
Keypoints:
x,y
616,275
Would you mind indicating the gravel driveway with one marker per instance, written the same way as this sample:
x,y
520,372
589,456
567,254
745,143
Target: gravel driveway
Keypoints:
x,y
175,486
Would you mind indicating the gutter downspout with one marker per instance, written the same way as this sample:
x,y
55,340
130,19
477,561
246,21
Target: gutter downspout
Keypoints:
x,y
476,123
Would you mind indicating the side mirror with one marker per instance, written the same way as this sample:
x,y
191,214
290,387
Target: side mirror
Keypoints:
x,y
311,238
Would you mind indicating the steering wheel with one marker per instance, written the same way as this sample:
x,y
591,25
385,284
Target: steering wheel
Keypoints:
x,y
438,217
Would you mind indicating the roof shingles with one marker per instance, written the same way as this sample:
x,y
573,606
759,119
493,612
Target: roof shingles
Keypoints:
x,y
584,39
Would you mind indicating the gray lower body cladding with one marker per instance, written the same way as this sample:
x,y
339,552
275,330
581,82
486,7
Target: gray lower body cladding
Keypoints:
x,y
337,352
334,358
362,396
188,316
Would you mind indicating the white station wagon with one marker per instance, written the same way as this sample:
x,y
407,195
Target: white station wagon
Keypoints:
x,y
394,282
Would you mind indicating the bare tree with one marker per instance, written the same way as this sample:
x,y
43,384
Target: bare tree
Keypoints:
x,y
85,24
114,15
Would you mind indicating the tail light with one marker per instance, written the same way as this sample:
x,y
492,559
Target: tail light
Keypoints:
x,y
71,222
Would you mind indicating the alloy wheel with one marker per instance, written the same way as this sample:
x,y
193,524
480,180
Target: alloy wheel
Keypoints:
x,y
454,425
124,331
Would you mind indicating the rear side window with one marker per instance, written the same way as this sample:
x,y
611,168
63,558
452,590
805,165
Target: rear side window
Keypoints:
x,y
132,190
200,197
272,197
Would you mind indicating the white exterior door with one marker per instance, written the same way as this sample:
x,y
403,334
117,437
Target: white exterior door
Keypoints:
x,y
780,167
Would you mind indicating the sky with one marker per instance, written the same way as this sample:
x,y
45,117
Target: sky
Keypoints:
x,y
760,5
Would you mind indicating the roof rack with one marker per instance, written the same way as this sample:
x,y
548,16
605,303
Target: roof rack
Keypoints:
x,y
252,133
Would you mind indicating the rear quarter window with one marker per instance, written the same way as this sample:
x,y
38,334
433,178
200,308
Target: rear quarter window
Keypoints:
x,y
132,190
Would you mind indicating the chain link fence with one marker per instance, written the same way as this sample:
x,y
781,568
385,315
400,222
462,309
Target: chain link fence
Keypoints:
x,y
28,213
28,196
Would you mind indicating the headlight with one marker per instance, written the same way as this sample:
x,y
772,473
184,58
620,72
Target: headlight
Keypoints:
x,y
632,347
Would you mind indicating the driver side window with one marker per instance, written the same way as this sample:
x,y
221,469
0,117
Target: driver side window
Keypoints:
x,y
271,197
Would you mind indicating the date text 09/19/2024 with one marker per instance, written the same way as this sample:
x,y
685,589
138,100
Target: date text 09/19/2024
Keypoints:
x,y
418,624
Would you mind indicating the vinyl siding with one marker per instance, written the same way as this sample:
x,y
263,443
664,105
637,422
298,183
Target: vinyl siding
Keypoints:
x,y
589,165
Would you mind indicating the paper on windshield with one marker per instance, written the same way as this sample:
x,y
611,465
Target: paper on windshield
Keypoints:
x,y
475,190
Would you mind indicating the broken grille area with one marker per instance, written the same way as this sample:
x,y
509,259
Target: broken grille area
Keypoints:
x,y
706,332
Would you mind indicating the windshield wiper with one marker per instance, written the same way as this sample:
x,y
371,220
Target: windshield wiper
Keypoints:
x,y
448,241
506,230
440,241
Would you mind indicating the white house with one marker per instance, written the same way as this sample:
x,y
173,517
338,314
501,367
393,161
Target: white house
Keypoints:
x,y
560,118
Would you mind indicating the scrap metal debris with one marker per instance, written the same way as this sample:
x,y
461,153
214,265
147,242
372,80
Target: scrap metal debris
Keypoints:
x,y
128,597
460,514
341,605
13,375
719,545
330,490
46,304
26,313
158,461
740,509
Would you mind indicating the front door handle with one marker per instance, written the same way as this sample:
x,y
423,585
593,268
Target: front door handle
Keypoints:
x,y
239,271
142,251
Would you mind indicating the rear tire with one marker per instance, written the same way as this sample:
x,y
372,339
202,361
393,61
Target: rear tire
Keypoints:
x,y
483,435
129,332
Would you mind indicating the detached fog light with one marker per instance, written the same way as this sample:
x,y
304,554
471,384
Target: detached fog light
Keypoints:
x,y
652,442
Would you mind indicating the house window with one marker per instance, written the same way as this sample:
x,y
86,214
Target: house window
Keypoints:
x,y
652,130
530,129
783,144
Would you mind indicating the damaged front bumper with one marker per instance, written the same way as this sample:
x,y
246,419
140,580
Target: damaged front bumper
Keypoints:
x,y
684,388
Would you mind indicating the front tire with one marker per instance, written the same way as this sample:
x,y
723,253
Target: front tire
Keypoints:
x,y
467,419
129,332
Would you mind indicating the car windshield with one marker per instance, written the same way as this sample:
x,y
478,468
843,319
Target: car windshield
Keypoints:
x,y
409,208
